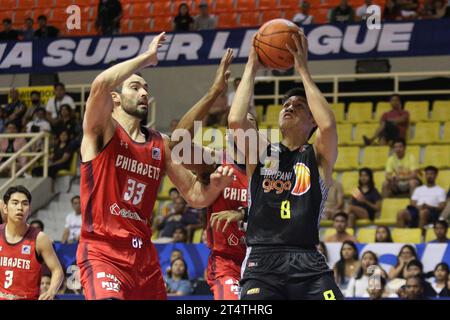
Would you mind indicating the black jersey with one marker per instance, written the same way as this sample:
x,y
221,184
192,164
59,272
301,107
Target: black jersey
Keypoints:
x,y
286,199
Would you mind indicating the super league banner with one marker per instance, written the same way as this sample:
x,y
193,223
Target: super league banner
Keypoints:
x,y
355,41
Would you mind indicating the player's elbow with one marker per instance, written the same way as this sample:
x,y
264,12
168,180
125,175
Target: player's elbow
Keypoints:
x,y
101,84
235,122
328,126
196,202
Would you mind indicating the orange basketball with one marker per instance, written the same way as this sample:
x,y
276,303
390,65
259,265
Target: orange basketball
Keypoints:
x,y
270,43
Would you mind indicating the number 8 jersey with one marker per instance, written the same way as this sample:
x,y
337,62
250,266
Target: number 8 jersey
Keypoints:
x,y
286,198
119,188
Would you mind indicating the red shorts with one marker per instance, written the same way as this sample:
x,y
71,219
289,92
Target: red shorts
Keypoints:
x,y
108,271
223,277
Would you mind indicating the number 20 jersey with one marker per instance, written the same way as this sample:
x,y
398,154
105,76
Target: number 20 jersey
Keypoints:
x,y
286,199
119,188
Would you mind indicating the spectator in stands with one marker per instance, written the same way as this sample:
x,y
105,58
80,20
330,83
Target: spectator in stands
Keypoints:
x,y
2,120
28,32
391,11
358,285
61,159
343,13
15,110
383,234
303,17
204,236
176,254
335,200
415,269
413,289
393,124
366,200
45,283
180,235
72,227
408,9
54,103
406,254
67,121
39,122
322,248
12,145
204,21
169,206
439,285
440,230
44,30
183,21
376,292
38,224
427,203
401,171
340,223
177,280
347,266
35,98
8,32
361,12
440,9
108,17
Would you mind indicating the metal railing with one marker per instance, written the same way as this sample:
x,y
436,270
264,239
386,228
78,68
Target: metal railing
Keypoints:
x,y
24,152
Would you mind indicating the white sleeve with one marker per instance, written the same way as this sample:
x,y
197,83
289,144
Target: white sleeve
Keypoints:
x,y
67,224
415,195
442,196
50,104
70,102
350,292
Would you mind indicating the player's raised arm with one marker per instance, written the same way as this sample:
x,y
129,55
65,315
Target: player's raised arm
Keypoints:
x,y
326,141
99,105
45,249
196,193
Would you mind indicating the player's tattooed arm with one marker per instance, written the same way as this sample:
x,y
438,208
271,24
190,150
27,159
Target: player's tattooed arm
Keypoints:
x,y
326,140
45,249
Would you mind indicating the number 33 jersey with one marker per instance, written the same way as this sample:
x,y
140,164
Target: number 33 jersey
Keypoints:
x,y
119,188
286,198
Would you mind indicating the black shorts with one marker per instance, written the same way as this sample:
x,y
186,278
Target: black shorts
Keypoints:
x,y
287,273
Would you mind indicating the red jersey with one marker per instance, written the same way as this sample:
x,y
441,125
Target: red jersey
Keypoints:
x,y
119,189
230,243
20,268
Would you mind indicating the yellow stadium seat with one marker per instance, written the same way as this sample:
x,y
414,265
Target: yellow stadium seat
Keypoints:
x,y
375,157
166,185
348,158
312,139
441,110
197,237
359,112
363,222
378,178
415,151
338,110
344,132
382,107
443,179
446,136
326,223
438,156
259,113
389,209
430,236
405,235
73,167
155,234
272,114
330,231
349,182
418,110
425,133
363,129
366,235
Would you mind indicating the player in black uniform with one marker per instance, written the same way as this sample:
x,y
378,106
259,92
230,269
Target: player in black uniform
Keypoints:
x,y
287,192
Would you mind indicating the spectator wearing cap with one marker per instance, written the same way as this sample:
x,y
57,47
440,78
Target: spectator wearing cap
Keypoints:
x,y
44,30
8,32
204,21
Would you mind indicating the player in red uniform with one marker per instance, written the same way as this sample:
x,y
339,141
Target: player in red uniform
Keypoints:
x,y
22,251
121,170
227,244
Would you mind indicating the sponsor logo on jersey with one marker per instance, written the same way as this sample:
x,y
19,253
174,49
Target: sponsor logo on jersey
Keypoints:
x,y
236,194
117,211
233,240
123,144
134,166
156,153
26,249
253,291
302,180
252,264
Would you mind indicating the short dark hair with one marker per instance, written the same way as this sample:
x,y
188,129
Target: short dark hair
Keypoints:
x,y
442,223
59,84
7,20
39,222
341,214
300,92
173,189
419,280
415,262
431,168
42,17
35,92
74,197
400,140
118,89
16,189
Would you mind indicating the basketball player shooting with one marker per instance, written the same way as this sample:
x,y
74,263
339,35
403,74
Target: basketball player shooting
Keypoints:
x,y
122,167
282,261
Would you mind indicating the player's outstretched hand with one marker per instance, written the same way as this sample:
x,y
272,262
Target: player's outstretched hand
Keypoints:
x,y
223,72
228,216
153,48
47,296
300,52
222,177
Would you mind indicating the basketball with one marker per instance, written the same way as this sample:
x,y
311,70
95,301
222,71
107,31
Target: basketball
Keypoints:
x,y
270,43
